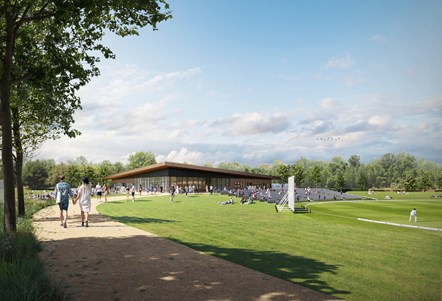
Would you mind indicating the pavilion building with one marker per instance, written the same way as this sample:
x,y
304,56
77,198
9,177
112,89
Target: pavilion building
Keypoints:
x,y
161,176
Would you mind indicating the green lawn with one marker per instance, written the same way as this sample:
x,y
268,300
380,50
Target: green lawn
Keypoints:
x,y
328,250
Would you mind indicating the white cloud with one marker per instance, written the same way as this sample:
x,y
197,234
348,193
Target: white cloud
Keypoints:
x,y
253,123
165,80
329,103
379,121
340,63
318,126
184,155
351,139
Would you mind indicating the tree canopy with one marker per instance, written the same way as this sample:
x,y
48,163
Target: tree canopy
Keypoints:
x,y
141,159
419,175
49,49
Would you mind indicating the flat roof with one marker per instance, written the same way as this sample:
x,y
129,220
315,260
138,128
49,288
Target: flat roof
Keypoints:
x,y
166,165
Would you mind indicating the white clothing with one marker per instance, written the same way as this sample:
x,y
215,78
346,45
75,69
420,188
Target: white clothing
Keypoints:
x,y
84,201
413,213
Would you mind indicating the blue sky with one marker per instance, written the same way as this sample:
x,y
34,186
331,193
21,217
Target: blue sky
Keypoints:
x,y
256,81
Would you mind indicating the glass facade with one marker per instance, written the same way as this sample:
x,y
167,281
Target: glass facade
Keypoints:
x,y
199,178
199,184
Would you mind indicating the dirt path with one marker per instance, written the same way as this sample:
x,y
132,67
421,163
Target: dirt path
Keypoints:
x,y
112,261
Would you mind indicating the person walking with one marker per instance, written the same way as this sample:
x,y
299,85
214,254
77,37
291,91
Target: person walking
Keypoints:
x,y
413,213
105,192
64,190
84,200
98,191
132,190
172,193
127,193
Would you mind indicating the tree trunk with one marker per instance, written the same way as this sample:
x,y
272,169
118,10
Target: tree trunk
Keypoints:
x,y
18,160
20,190
10,220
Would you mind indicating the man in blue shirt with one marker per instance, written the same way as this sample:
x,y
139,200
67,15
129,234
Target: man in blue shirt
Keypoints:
x,y
64,189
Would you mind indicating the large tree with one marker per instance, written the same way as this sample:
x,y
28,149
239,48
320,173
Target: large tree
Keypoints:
x,y
141,159
73,31
36,173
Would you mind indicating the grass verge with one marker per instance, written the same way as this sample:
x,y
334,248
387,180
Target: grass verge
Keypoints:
x,y
22,274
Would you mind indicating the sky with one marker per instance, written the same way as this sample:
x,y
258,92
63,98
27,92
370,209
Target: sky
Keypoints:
x,y
254,81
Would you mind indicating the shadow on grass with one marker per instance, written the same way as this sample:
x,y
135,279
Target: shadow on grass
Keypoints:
x,y
140,220
298,269
140,199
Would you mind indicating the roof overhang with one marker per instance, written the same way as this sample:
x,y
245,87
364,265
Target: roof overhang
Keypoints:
x,y
167,165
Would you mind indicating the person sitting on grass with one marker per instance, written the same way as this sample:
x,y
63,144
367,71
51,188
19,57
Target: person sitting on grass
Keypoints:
x,y
230,201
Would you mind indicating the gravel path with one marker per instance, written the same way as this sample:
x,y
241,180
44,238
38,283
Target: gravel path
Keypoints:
x,y
112,261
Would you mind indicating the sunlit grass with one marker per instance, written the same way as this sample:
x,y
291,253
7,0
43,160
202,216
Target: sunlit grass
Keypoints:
x,y
327,250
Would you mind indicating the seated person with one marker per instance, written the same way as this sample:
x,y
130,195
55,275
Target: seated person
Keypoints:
x,y
230,201
243,200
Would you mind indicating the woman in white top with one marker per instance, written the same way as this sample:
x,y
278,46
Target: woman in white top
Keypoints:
x,y
84,198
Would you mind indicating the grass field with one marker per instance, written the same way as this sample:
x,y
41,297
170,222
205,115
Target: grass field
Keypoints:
x,y
327,250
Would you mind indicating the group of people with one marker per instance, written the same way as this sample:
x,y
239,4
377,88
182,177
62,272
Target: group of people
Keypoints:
x,y
102,190
131,191
83,196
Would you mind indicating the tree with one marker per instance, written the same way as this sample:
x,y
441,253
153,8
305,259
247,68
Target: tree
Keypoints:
x,y
297,170
82,25
32,123
283,172
424,180
439,180
231,166
104,169
362,180
316,174
36,173
55,173
409,180
141,159
263,169
339,181
354,161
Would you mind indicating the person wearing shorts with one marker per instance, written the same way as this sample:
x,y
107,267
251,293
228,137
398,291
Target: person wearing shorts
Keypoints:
x,y
99,191
64,189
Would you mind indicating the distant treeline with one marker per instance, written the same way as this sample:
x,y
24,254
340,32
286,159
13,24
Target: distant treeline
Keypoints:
x,y
393,171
